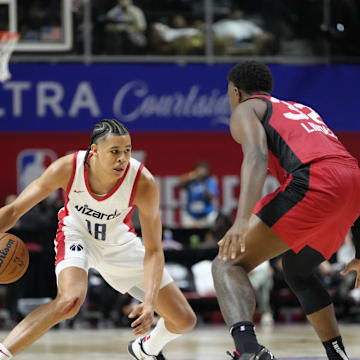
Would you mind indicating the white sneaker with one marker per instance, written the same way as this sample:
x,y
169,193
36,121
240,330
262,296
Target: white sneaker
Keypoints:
x,y
137,352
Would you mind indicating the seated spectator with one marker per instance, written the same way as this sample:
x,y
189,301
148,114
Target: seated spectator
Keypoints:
x,y
168,241
201,190
125,29
179,38
237,36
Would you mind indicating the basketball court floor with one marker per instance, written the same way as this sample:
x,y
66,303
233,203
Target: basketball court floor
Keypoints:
x,y
204,343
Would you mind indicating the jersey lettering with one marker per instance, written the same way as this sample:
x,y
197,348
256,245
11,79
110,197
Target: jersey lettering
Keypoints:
x,y
307,118
84,209
296,114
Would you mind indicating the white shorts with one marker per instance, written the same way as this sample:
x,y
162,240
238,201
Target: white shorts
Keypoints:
x,y
121,266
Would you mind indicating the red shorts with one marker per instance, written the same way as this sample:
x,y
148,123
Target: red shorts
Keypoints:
x,y
316,206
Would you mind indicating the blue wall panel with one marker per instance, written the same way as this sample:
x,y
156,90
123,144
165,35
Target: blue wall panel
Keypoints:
x,y
161,97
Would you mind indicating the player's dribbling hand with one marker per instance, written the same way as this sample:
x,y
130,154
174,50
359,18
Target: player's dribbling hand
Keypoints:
x,y
144,315
353,265
233,242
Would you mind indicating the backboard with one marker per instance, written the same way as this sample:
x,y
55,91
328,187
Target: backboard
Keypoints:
x,y
43,25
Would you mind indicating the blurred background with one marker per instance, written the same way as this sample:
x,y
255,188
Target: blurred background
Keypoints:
x,y
160,67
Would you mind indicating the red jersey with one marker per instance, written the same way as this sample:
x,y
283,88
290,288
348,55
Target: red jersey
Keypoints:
x,y
297,135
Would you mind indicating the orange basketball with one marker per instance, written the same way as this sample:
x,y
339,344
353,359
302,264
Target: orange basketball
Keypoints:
x,y
14,258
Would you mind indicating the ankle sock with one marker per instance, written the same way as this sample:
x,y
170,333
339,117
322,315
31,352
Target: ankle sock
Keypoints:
x,y
244,337
158,338
335,349
5,354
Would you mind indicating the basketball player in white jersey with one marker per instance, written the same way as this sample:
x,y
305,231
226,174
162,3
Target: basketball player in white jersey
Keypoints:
x,y
103,186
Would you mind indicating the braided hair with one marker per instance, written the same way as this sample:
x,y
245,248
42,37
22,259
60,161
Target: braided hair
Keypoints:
x,y
104,128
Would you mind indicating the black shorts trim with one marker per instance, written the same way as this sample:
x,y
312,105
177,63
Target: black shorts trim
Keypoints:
x,y
287,199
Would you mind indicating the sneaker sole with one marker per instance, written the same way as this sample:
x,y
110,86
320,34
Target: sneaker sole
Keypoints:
x,y
269,355
130,351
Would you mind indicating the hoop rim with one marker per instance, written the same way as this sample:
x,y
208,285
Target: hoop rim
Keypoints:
x,y
8,41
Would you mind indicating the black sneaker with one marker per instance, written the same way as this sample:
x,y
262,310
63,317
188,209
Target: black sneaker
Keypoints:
x,y
262,354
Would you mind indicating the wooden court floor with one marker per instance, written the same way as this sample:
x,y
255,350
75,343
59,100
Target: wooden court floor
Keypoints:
x,y
204,343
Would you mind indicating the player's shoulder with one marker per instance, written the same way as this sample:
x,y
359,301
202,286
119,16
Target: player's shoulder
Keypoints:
x,y
146,180
63,167
146,190
59,172
247,108
257,103
65,162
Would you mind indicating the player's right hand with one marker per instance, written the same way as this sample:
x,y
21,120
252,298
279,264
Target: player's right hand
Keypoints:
x,y
144,315
233,242
353,265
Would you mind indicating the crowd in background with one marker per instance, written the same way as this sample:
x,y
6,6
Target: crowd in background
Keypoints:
x,y
242,27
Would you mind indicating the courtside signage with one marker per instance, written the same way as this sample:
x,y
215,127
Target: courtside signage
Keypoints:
x,y
154,97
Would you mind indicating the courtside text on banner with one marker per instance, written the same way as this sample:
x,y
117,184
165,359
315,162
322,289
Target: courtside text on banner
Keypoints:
x,y
166,97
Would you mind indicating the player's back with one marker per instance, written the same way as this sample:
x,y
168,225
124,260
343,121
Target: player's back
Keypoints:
x,y
297,135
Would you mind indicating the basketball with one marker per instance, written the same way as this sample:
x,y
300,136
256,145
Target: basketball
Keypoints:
x,y
14,258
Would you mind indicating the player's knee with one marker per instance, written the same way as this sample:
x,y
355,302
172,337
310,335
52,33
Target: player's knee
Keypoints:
x,y
301,279
222,268
185,321
188,321
69,305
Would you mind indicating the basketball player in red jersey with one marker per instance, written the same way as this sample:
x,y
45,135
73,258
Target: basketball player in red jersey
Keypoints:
x,y
103,186
306,219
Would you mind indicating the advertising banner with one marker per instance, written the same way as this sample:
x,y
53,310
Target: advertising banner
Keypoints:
x,y
161,97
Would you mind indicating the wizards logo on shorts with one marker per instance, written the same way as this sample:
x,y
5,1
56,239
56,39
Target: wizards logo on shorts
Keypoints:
x,y
76,247
31,163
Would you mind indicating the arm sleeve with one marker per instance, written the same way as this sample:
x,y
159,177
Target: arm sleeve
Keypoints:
x,y
356,237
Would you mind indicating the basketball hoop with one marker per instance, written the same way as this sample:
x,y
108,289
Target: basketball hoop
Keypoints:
x,y
8,41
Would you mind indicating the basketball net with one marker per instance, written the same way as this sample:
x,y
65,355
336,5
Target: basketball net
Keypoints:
x,y
8,41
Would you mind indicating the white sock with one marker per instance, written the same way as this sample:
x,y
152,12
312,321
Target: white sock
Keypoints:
x,y
5,354
157,339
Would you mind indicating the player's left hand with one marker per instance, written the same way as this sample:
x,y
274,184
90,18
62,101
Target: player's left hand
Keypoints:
x,y
233,241
353,265
144,314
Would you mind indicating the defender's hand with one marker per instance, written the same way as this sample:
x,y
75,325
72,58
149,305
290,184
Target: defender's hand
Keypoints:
x,y
145,316
233,242
353,265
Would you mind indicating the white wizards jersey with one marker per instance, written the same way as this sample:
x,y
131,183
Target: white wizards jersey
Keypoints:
x,y
105,218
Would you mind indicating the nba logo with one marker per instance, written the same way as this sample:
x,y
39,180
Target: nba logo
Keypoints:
x,y
31,164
